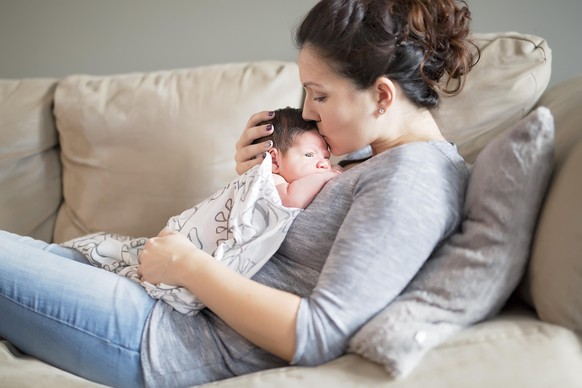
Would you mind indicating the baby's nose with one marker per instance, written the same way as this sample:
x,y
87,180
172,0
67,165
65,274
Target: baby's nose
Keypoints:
x,y
323,164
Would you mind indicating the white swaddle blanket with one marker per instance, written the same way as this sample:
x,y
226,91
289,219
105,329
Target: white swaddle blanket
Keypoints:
x,y
241,225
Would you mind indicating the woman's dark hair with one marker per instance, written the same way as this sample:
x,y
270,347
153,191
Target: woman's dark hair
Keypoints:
x,y
412,42
288,122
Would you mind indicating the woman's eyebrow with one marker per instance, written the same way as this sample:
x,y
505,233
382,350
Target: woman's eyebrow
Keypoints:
x,y
310,84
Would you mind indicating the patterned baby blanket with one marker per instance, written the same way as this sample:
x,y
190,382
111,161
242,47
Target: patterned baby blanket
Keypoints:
x,y
241,225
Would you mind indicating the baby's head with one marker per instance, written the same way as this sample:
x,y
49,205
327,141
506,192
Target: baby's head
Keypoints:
x,y
298,148
288,123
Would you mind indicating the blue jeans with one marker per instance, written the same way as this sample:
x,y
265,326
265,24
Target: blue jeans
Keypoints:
x,y
58,308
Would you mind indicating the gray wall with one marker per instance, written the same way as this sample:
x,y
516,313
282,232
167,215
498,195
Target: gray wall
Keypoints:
x,y
53,38
557,21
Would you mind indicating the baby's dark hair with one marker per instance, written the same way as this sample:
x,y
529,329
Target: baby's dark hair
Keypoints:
x,y
412,42
288,123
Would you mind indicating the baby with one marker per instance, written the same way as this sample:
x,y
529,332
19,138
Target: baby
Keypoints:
x,y
300,158
242,224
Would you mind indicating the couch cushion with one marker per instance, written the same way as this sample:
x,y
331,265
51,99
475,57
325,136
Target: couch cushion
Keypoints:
x,y
30,170
511,350
139,148
513,72
554,278
20,370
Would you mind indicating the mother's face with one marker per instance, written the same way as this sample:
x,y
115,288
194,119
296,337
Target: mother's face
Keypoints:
x,y
342,112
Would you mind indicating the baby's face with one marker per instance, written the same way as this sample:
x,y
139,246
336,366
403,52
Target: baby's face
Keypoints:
x,y
308,155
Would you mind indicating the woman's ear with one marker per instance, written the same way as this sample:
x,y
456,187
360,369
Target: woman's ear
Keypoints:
x,y
275,159
385,93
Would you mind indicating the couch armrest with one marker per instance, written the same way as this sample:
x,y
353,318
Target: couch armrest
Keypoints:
x,y
30,169
553,282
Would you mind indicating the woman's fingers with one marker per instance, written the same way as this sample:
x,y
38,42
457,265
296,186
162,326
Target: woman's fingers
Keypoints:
x,y
165,232
258,118
247,154
242,167
253,130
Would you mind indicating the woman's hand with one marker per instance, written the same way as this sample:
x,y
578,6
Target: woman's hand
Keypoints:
x,y
247,154
166,258
263,315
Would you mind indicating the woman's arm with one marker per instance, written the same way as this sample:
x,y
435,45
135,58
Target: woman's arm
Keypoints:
x,y
264,315
399,213
247,154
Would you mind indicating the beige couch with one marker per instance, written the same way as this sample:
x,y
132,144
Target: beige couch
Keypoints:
x,y
124,152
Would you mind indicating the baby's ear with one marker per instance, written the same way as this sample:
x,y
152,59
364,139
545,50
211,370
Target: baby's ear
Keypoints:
x,y
275,159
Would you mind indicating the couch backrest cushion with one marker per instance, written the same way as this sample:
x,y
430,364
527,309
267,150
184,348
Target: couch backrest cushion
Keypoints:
x,y
554,277
30,171
139,148
513,72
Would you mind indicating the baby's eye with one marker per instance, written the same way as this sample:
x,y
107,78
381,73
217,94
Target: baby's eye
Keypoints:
x,y
310,154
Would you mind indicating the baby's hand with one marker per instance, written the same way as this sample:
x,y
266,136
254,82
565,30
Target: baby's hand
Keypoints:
x,y
329,175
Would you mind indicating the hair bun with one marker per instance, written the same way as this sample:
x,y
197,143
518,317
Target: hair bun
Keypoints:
x,y
413,42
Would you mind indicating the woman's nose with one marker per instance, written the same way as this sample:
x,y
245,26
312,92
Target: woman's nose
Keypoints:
x,y
308,114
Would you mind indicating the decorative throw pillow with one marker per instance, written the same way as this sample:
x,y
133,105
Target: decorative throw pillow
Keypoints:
x,y
472,275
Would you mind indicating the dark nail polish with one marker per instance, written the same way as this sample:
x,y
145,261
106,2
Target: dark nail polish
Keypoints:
x,y
271,113
269,127
269,144
264,155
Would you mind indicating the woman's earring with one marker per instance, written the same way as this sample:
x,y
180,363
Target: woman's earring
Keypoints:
x,y
381,111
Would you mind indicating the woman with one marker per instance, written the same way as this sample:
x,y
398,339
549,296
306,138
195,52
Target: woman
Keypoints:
x,y
370,70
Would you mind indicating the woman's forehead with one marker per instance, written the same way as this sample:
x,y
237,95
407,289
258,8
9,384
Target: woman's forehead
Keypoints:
x,y
313,70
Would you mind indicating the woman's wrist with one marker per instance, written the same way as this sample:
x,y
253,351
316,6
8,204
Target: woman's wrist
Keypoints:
x,y
188,267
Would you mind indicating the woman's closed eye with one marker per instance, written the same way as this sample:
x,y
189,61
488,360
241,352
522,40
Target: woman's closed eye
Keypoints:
x,y
319,99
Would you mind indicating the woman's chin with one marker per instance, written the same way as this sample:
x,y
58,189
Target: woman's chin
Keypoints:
x,y
340,152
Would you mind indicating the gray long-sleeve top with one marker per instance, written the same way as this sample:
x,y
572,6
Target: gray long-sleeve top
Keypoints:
x,y
348,254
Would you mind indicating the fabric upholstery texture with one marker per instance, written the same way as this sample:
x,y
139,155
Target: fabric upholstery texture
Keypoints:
x,y
552,283
30,171
20,370
139,148
511,75
473,274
